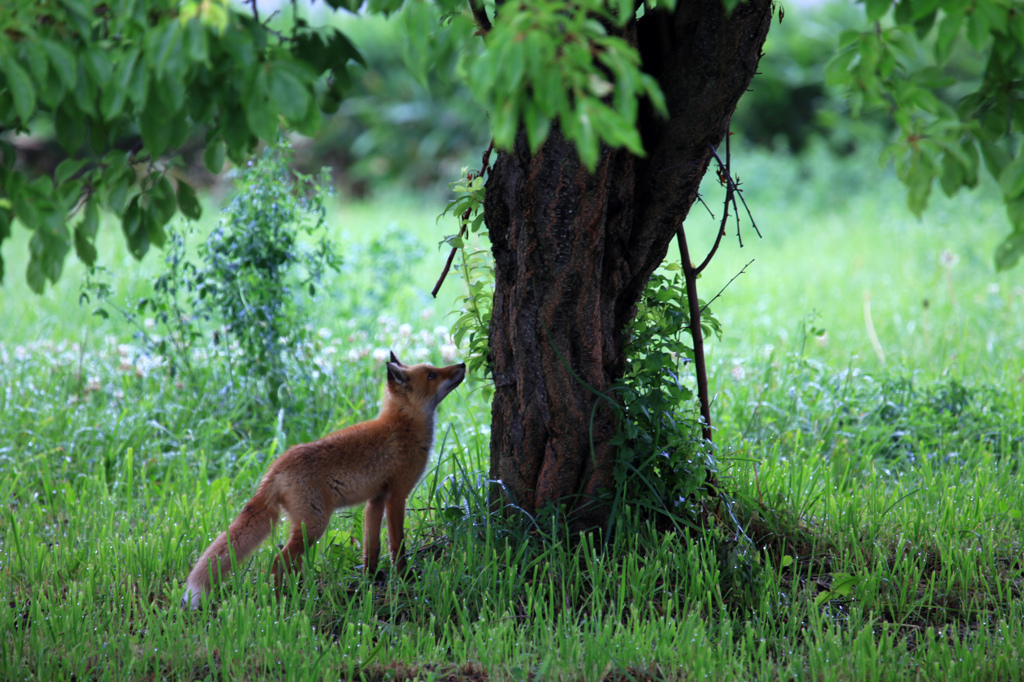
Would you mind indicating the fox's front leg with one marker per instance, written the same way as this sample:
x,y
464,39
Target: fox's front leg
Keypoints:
x,y
372,517
396,532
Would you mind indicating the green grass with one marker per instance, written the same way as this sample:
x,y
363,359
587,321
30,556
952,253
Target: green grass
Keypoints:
x,y
883,499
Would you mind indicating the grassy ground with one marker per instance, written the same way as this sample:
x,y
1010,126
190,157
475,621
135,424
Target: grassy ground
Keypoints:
x,y
876,473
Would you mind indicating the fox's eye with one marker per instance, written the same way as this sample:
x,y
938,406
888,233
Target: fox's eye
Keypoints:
x,y
431,376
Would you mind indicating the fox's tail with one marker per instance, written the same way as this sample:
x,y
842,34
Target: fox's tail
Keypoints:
x,y
246,532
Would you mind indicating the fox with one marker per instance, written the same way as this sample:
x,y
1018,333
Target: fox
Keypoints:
x,y
378,461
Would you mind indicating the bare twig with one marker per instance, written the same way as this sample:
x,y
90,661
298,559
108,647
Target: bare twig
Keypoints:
x,y
725,167
255,12
730,195
706,207
742,270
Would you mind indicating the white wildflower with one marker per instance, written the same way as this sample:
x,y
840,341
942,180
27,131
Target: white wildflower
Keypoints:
x,y
449,351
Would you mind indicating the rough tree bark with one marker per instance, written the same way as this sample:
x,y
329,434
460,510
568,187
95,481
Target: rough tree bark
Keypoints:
x,y
573,251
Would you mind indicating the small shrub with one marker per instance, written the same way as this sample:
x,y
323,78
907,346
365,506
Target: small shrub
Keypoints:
x,y
237,308
253,264
662,461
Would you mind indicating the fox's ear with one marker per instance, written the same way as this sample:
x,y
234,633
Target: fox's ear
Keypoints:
x,y
396,374
394,359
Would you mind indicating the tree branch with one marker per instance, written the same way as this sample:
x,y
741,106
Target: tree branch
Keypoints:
x,y
447,267
721,233
699,363
484,168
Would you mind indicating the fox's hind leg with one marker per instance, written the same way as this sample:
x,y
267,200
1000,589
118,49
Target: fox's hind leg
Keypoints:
x,y
304,534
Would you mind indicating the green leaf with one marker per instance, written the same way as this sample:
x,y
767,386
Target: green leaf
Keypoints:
x,y
85,234
35,57
586,137
949,28
153,227
187,201
1011,180
504,124
5,232
118,179
213,157
113,98
68,168
172,91
34,275
138,84
135,226
163,203
843,586
163,46
922,9
156,134
977,29
99,67
952,177
50,244
238,138
85,93
63,61
1010,250
91,220
70,127
971,159
837,69
19,83
325,48
260,113
996,158
876,9
537,127
196,42
310,124
919,187
178,129
1015,212
292,95
21,201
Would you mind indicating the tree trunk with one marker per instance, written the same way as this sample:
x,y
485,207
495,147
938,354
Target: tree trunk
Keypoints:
x,y
573,251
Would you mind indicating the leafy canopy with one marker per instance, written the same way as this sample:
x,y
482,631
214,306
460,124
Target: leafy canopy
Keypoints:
x,y
947,126
120,84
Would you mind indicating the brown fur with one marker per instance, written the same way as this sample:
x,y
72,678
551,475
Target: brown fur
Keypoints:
x,y
377,462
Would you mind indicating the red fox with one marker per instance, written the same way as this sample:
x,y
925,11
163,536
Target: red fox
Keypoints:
x,y
377,462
